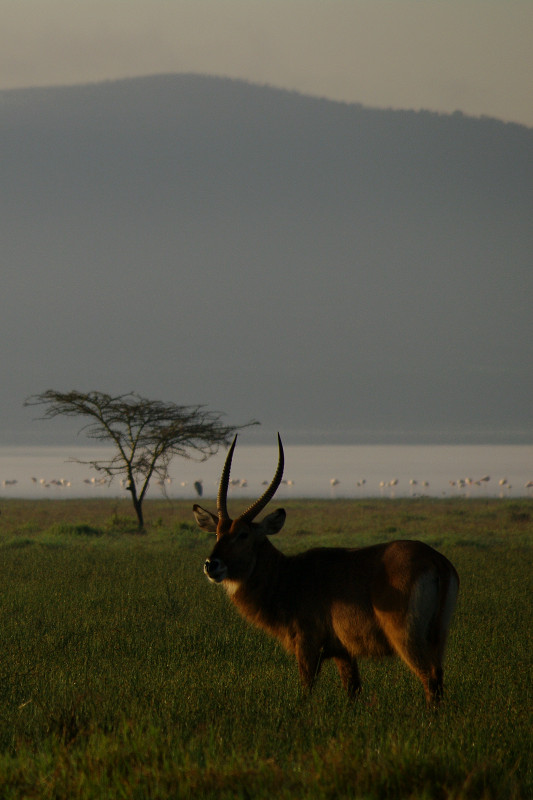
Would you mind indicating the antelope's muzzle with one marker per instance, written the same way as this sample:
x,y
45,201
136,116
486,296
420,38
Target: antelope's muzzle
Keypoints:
x,y
215,570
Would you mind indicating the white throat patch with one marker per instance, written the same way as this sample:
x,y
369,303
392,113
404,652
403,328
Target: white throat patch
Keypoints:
x,y
231,586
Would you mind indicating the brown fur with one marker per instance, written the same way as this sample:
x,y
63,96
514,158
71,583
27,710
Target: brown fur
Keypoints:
x,y
338,603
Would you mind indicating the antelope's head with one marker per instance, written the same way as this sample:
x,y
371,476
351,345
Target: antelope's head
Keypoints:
x,y
235,552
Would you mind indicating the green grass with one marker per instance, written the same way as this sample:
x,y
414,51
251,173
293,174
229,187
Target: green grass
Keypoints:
x,y
123,673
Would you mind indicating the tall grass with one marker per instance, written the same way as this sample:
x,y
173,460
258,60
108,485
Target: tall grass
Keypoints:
x,y
125,674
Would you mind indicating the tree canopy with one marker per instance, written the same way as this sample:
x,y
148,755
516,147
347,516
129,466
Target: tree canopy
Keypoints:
x,y
146,434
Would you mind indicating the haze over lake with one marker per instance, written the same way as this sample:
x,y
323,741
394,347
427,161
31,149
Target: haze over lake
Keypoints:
x,y
310,470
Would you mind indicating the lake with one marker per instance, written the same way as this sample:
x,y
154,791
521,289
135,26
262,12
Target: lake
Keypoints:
x,y
360,471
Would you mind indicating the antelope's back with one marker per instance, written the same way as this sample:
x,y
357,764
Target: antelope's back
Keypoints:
x,y
364,574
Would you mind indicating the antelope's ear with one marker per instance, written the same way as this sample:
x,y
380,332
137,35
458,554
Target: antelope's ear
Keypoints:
x,y
273,523
204,519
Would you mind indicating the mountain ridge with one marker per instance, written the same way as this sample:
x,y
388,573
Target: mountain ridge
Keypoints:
x,y
316,259
242,83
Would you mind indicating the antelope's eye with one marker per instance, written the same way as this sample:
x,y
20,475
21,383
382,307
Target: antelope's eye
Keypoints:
x,y
242,535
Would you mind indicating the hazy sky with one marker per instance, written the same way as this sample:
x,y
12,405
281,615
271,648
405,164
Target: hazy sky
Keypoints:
x,y
444,55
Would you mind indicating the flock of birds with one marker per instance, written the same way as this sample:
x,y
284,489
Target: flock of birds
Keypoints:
x,y
462,485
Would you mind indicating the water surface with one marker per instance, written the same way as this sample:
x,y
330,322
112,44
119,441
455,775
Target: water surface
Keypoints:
x,y
360,470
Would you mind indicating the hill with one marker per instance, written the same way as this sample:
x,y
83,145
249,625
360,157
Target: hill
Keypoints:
x,y
340,273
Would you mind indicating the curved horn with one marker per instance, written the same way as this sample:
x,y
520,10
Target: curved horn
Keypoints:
x,y
222,507
259,505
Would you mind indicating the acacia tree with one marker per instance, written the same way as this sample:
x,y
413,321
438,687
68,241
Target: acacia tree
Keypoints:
x,y
146,434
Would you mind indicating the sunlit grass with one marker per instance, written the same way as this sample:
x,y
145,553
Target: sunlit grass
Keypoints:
x,y
125,674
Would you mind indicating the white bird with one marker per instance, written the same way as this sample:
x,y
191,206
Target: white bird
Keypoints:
x,y
334,481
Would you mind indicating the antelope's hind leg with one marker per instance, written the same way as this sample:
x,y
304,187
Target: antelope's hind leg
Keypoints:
x,y
424,661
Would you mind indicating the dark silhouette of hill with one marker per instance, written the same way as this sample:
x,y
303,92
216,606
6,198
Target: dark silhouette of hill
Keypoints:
x,y
340,273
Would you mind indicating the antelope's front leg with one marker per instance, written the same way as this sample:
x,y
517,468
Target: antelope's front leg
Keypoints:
x,y
349,675
309,659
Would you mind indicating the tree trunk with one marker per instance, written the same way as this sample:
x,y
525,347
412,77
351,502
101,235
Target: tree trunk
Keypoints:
x,y
137,505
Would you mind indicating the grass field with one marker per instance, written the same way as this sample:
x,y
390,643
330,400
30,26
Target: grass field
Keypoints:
x,y
125,674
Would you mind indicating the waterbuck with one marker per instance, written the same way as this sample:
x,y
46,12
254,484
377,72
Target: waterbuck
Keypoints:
x,y
334,602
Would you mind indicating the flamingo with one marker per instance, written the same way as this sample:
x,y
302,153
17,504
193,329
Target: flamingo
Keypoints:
x,y
392,485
